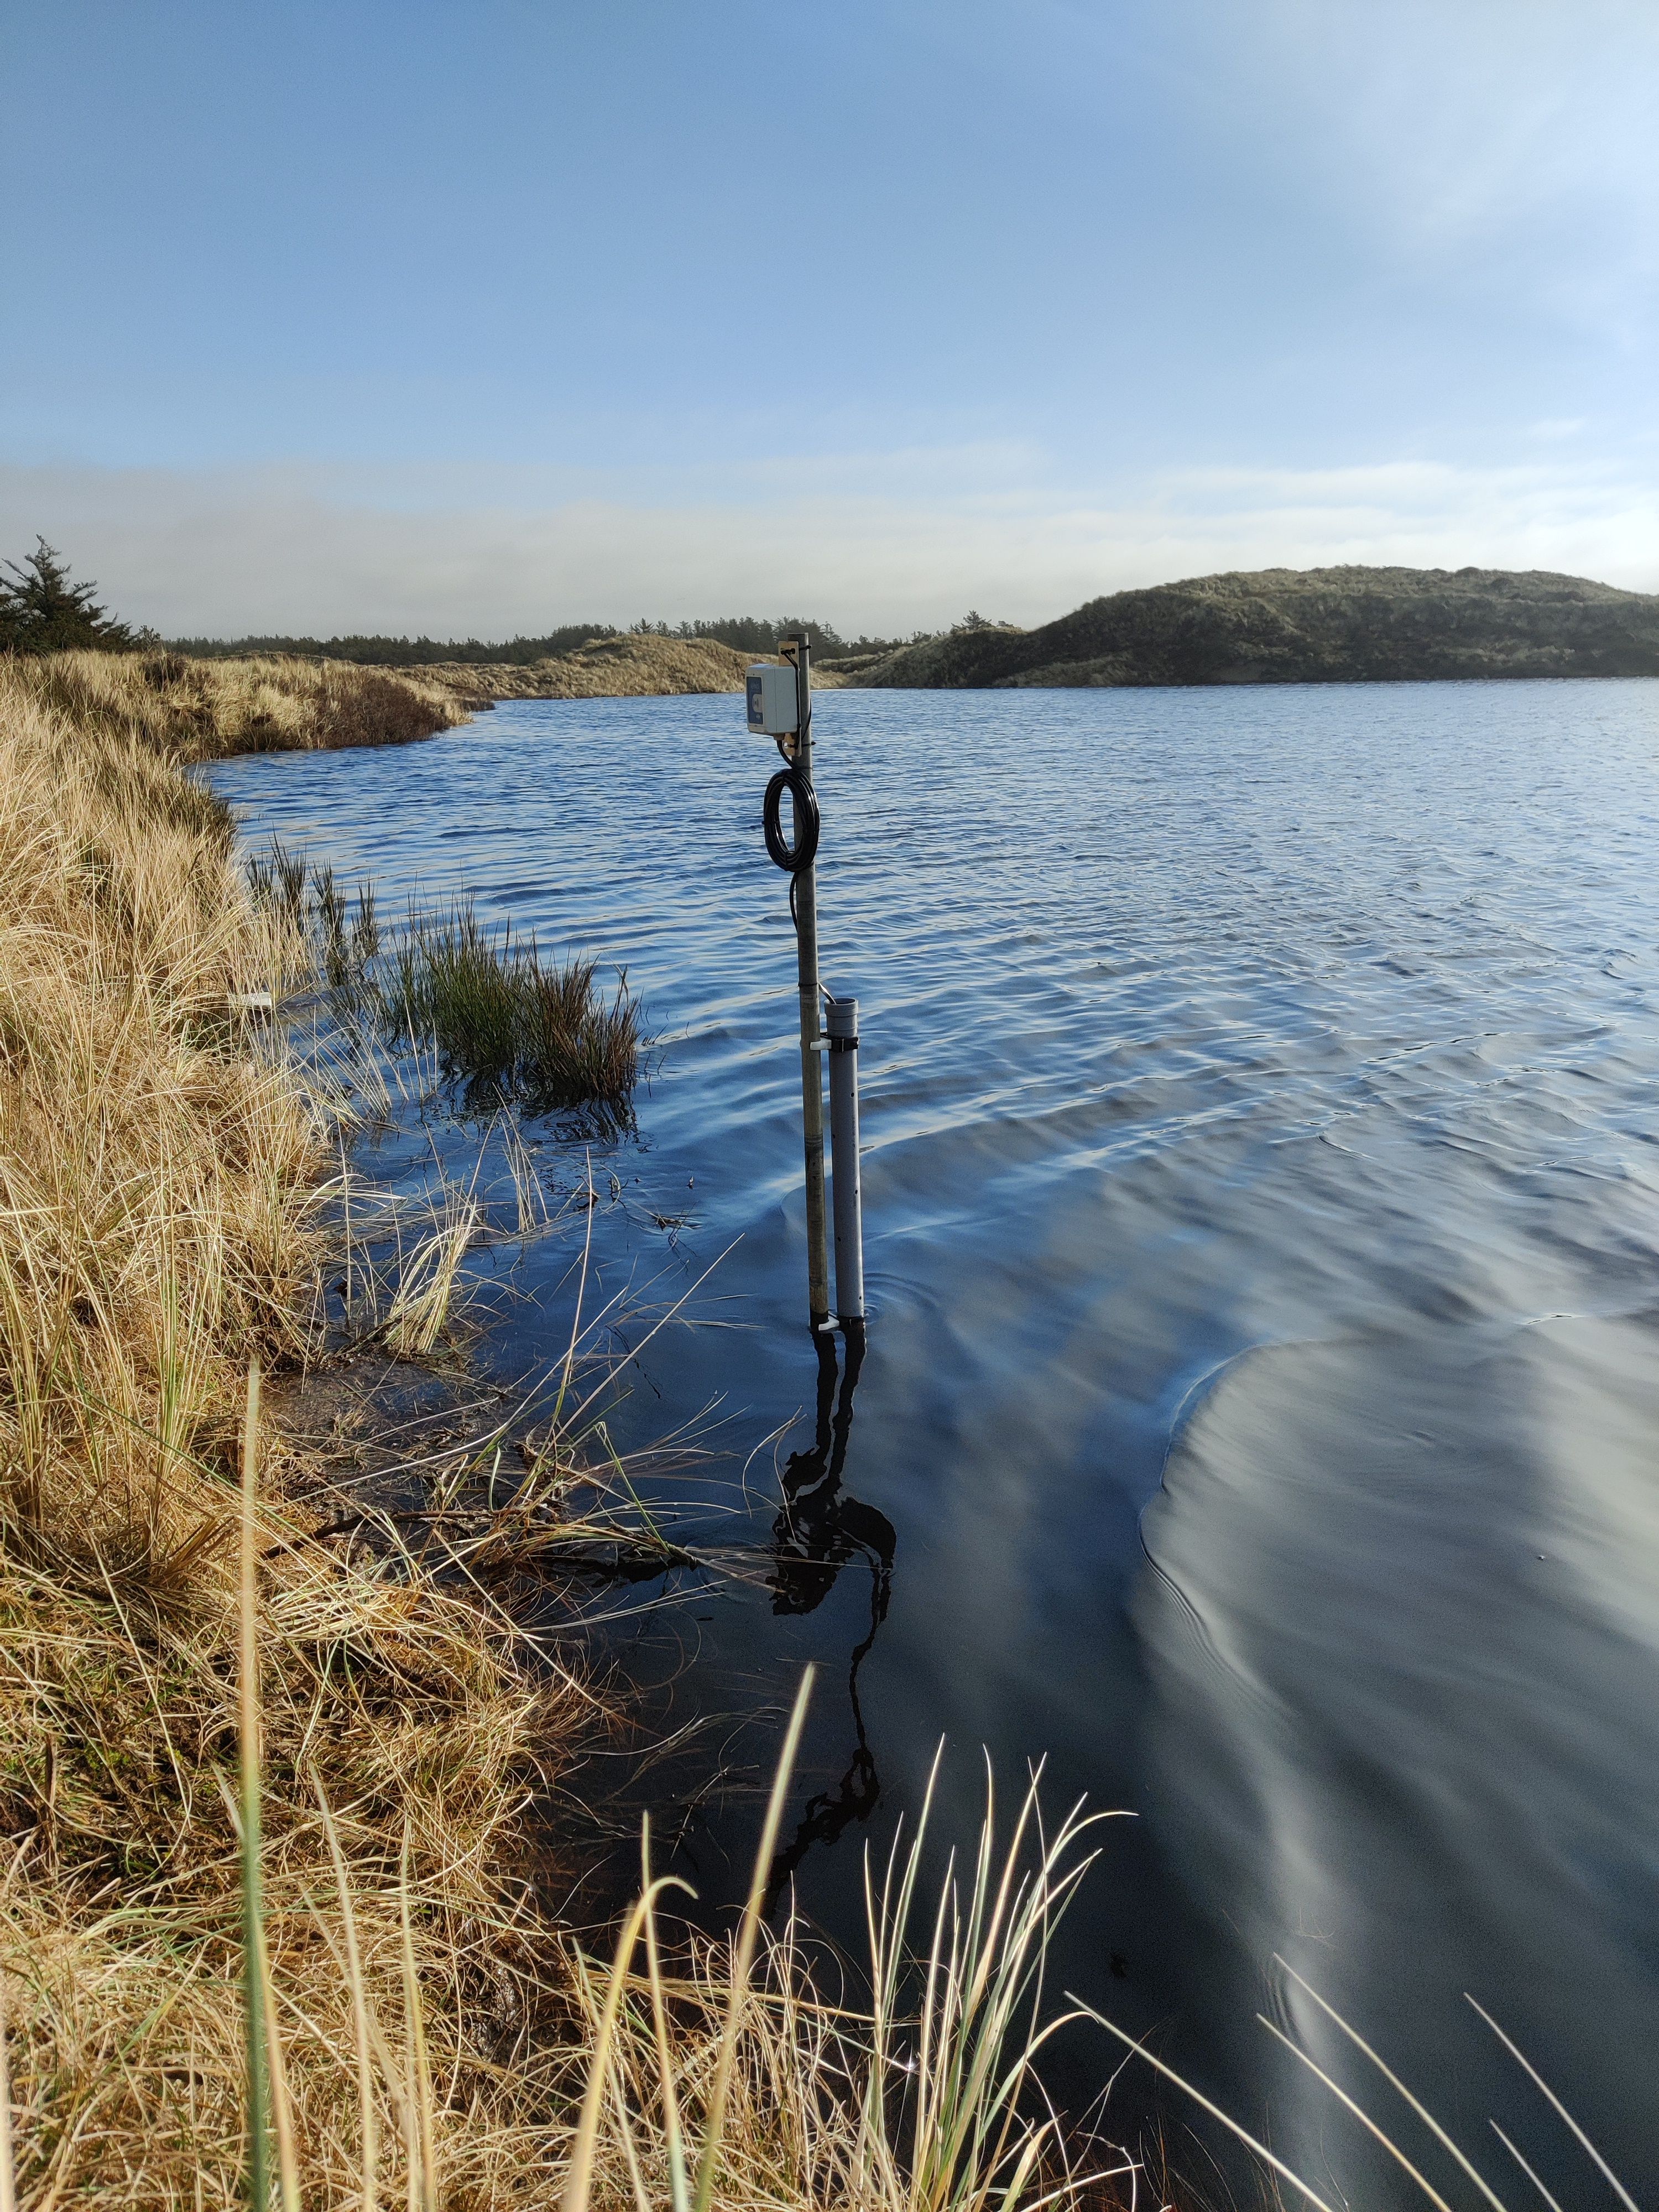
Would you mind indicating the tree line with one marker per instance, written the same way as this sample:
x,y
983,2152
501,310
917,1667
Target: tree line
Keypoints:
x,y
41,611
398,652
745,632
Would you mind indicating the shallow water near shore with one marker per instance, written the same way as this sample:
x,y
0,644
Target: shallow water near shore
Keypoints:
x,y
1259,1421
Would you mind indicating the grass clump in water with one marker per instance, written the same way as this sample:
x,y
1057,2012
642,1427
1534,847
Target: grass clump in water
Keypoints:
x,y
508,1025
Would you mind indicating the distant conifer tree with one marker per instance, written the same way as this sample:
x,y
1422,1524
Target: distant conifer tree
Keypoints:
x,y
42,611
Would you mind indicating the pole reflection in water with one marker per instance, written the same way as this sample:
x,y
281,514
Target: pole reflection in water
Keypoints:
x,y
818,1531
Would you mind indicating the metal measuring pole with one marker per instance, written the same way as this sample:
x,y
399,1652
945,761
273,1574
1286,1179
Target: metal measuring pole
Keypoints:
x,y
797,648
841,1020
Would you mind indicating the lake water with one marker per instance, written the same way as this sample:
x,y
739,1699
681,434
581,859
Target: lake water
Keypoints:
x,y
1260,1417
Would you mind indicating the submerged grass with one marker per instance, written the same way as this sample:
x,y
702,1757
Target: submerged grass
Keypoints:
x,y
504,1025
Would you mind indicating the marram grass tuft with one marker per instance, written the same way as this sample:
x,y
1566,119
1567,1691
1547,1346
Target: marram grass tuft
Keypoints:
x,y
507,1024
191,709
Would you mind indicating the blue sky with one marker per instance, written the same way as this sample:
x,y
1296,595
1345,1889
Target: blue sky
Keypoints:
x,y
484,318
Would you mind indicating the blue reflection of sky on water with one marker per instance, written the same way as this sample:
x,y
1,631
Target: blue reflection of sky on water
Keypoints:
x,y
1261,1096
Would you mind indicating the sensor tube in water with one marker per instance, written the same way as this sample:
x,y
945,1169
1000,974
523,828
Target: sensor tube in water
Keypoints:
x,y
841,1024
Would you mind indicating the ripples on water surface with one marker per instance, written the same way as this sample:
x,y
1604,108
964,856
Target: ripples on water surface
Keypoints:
x,y
1260,1095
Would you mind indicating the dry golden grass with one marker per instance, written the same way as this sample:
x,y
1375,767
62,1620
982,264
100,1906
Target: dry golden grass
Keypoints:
x,y
736,2084
153,1178
158,1186
200,709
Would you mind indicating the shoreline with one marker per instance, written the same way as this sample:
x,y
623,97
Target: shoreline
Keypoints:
x,y
408,1737
164,1171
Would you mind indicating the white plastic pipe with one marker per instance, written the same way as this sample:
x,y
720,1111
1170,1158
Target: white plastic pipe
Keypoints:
x,y
841,1023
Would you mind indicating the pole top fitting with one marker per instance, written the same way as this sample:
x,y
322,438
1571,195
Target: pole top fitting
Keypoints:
x,y
841,1016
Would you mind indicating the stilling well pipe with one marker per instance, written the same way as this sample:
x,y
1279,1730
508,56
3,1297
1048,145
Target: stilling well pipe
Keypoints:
x,y
842,1025
796,648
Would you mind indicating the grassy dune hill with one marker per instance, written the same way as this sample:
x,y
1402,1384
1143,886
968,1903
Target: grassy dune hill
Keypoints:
x,y
1304,626
628,667
201,709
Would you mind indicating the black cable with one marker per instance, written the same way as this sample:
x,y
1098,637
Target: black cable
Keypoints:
x,y
796,858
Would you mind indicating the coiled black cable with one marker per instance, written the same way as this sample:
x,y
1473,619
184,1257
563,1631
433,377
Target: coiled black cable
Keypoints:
x,y
794,859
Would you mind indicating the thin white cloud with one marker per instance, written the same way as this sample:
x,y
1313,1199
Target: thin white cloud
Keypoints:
x,y
224,554
1470,118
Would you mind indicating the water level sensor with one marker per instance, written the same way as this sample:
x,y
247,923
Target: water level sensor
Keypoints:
x,y
781,706
774,701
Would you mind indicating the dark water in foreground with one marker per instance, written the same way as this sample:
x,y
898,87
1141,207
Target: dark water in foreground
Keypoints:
x,y
1261,1092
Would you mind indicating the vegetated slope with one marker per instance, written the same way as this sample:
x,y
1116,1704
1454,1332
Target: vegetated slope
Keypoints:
x,y
203,709
159,1227
630,667
1306,626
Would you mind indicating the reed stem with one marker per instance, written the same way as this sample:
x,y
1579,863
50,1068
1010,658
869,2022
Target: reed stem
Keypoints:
x,y
8,2187
253,1966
